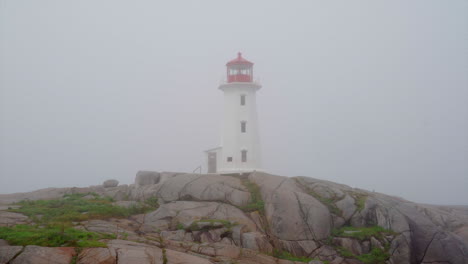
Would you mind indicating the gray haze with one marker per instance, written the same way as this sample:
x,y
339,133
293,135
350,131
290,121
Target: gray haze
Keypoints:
x,y
373,94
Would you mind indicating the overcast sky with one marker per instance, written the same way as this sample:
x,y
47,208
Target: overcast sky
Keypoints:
x,y
373,94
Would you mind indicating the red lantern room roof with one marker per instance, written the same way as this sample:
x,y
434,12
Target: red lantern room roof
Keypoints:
x,y
239,61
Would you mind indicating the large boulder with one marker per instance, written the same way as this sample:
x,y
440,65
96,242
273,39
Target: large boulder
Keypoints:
x,y
147,178
169,215
11,219
208,187
110,183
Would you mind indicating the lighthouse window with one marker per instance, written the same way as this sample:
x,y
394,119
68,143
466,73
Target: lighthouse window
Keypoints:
x,y
242,99
229,159
244,155
243,127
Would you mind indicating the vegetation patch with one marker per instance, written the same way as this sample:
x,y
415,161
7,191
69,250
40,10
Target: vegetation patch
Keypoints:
x,y
328,202
362,233
74,208
256,202
52,236
359,200
376,256
54,219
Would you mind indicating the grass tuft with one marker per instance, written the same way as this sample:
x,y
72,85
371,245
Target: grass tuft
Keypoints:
x,y
256,202
376,256
288,256
362,233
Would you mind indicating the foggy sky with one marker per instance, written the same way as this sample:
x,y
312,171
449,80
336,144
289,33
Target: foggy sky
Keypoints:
x,y
373,94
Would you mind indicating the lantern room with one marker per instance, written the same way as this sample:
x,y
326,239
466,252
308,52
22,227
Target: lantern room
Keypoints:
x,y
239,70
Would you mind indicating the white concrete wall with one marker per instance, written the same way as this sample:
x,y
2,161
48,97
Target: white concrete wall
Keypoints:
x,y
233,140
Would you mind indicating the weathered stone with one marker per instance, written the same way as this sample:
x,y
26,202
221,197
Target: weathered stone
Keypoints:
x,y
225,250
376,243
110,183
366,247
292,214
207,187
7,253
175,257
315,262
186,213
350,244
237,232
256,241
227,241
11,219
325,253
45,255
337,260
216,234
3,243
96,256
146,178
178,235
208,225
347,207
299,248
128,252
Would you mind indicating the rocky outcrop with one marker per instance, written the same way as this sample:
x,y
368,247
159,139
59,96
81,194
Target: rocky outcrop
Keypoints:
x,y
213,218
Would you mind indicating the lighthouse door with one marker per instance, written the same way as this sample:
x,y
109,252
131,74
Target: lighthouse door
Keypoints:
x,y
212,162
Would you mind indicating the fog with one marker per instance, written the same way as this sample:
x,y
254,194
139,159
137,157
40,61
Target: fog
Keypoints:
x,y
373,94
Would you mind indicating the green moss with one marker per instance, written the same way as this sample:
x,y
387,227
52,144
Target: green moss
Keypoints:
x,y
345,253
164,256
180,226
376,256
328,202
360,201
288,256
51,236
256,202
362,233
152,202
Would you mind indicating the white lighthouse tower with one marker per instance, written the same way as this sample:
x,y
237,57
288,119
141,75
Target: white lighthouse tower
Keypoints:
x,y
240,147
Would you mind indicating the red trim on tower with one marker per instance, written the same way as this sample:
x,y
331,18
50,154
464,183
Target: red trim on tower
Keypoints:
x,y
239,60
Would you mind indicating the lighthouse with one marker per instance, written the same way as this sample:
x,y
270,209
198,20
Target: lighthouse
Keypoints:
x,y
240,144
